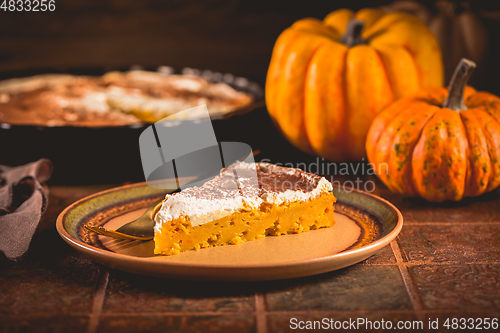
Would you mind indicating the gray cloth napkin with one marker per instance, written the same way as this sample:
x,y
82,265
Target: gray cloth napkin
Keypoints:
x,y
23,200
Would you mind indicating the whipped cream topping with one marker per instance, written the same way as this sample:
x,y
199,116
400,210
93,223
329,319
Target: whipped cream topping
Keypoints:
x,y
242,186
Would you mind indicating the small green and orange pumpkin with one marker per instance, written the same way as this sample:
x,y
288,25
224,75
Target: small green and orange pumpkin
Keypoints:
x,y
441,144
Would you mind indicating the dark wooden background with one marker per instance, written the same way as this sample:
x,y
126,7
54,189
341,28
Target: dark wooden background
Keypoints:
x,y
222,35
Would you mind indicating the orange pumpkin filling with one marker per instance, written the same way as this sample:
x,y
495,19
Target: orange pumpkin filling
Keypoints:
x,y
269,220
268,200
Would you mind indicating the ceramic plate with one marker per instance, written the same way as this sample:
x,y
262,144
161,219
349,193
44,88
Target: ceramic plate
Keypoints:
x,y
364,224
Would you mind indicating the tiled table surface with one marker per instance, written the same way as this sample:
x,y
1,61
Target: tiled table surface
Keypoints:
x,y
444,264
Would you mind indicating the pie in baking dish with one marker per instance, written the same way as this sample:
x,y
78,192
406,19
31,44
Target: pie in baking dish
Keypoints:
x,y
113,99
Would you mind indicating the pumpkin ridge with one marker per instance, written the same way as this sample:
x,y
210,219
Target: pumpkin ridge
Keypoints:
x,y
441,169
384,24
306,78
489,131
464,156
368,92
477,150
492,107
327,32
385,147
405,168
283,44
333,19
392,111
295,129
415,65
325,124
399,65
384,68
421,131
344,150
409,159
409,34
369,15
378,126
306,86
413,58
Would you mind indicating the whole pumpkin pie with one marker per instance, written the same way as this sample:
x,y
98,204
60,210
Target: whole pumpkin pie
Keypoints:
x,y
113,99
247,201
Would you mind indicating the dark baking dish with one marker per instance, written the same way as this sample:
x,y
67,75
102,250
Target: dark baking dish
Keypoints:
x,y
99,155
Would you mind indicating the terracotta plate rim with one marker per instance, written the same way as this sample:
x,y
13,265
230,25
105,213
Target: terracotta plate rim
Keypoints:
x,y
227,272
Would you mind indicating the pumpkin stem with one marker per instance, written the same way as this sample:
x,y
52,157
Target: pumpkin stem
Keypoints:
x,y
352,35
455,99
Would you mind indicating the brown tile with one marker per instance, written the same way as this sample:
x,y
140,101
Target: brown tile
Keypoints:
x,y
133,293
230,324
463,321
356,288
485,208
384,256
45,324
466,287
51,279
363,322
457,242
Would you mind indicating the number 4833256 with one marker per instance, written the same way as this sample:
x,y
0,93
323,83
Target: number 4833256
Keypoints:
x,y
28,5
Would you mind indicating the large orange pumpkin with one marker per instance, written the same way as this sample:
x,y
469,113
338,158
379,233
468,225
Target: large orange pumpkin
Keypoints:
x,y
440,144
328,79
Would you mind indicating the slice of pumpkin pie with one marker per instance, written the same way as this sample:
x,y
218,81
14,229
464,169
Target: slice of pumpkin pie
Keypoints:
x,y
247,201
